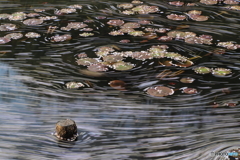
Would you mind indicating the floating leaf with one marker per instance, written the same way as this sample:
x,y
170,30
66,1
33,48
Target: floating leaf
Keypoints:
x,y
4,40
122,66
202,70
86,34
136,33
142,55
98,67
159,91
61,38
137,2
74,85
33,14
228,45
184,63
4,16
234,8
209,2
8,27
231,2
128,12
124,41
112,58
165,38
131,25
75,6
187,80
221,71
190,90
115,22
125,5
117,84
144,22
116,33
199,18
176,3
14,35
176,17
33,21
17,16
86,61
76,25
145,9
32,35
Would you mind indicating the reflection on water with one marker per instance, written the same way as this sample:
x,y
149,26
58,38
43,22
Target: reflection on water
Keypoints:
x,y
116,124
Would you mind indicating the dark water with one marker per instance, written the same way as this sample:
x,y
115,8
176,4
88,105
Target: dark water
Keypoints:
x,y
115,124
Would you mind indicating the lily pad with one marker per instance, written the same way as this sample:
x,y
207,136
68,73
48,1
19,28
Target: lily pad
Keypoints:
x,y
4,40
112,58
116,33
209,2
32,35
122,66
125,5
160,91
145,9
176,17
143,55
87,61
4,16
115,22
75,6
176,3
14,35
61,38
98,67
136,33
221,71
8,27
202,70
33,21
187,80
17,16
76,25
131,25
117,84
86,34
190,90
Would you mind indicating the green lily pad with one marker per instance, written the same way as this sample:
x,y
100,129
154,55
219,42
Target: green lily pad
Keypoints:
x,y
122,66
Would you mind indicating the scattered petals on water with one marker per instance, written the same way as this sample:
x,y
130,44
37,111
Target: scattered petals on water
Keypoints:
x,y
190,90
8,27
4,40
86,34
176,17
98,67
176,3
187,80
125,5
115,22
221,71
122,66
17,16
159,91
14,36
32,35
33,21
117,84
202,70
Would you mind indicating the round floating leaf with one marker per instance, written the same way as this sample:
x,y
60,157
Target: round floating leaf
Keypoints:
x,y
144,22
131,25
122,66
128,12
165,38
74,85
8,27
187,80
116,33
76,25
176,34
112,58
190,90
136,33
125,5
86,61
159,91
143,55
33,21
75,6
33,14
61,38
124,41
4,40
176,3
199,18
17,16
136,2
202,70
32,35
4,16
117,84
221,71
176,17
86,34
145,9
209,2
115,22
98,67
14,35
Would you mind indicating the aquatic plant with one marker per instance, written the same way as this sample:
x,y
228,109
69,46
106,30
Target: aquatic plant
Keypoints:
x,y
117,84
187,80
190,90
17,16
75,6
61,38
14,35
8,27
209,2
74,85
116,33
202,70
87,61
221,71
122,66
125,5
33,21
86,34
159,91
136,33
4,40
115,22
4,16
176,3
112,58
176,17
97,67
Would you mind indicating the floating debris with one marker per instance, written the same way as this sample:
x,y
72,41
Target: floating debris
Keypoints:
x,y
86,34
4,40
176,17
117,84
4,16
33,21
98,67
115,22
74,85
66,130
187,80
61,38
8,27
145,9
87,61
190,90
159,91
221,71
125,5
122,66
32,35
176,3
17,16
202,70
14,36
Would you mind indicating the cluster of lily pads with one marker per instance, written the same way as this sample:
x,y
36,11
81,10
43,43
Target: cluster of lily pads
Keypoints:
x,y
214,71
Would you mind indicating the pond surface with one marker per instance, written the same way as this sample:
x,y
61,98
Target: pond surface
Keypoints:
x,y
119,123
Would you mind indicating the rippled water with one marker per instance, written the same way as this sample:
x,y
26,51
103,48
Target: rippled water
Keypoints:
x,y
117,124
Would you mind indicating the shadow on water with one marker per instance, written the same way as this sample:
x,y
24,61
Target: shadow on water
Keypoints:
x,y
116,124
